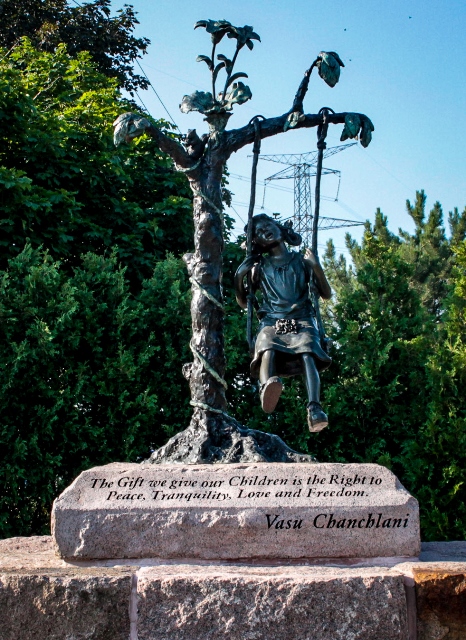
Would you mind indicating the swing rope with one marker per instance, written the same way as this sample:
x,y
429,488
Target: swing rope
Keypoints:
x,y
252,201
322,130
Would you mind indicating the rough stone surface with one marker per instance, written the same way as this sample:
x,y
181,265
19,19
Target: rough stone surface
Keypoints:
x,y
221,512
253,600
299,603
221,439
35,552
441,601
57,604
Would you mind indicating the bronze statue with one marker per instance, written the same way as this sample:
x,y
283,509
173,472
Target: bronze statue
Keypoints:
x,y
213,435
288,341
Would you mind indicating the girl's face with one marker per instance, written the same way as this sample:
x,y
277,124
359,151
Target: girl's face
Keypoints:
x,y
267,233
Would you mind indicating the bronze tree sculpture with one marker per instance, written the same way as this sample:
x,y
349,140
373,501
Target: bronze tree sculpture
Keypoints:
x,y
214,436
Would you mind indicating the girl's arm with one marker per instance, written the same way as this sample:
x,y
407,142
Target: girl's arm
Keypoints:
x,y
242,271
320,279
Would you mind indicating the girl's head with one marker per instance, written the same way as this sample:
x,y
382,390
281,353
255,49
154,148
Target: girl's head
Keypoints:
x,y
267,232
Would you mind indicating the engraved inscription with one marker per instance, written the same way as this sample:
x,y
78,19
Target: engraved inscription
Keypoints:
x,y
243,487
248,487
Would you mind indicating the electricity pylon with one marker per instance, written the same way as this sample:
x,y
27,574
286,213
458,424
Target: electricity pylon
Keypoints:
x,y
300,168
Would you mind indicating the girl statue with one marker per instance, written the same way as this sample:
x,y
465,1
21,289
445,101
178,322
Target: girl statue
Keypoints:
x,y
288,341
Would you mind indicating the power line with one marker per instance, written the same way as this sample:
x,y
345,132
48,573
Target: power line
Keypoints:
x,y
325,222
232,207
191,84
265,183
159,98
246,206
150,85
142,102
309,158
348,209
385,169
170,75
261,183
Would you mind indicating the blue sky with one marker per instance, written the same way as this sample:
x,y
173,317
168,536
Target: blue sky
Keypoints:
x,y
404,68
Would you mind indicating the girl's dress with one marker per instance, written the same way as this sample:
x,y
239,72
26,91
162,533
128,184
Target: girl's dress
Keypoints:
x,y
287,317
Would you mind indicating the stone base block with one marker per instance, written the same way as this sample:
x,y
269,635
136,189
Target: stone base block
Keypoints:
x,y
290,603
59,604
45,597
441,601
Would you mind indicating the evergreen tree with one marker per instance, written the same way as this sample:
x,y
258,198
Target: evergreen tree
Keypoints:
x,y
435,460
89,374
381,333
429,251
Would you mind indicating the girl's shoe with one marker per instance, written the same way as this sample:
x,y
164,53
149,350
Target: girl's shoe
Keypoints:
x,y
270,392
316,418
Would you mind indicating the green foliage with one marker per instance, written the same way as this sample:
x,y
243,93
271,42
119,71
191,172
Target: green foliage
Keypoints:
x,y
63,184
381,334
86,374
87,27
95,315
430,253
435,461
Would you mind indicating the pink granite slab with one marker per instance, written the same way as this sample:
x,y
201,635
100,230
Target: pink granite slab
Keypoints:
x,y
236,511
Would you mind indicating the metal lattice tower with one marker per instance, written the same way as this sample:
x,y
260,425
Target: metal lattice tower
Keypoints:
x,y
302,199
301,167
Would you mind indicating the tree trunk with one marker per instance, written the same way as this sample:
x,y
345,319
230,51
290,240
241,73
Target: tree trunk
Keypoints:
x,y
205,269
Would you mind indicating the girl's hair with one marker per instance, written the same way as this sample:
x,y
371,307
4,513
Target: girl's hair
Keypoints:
x,y
289,236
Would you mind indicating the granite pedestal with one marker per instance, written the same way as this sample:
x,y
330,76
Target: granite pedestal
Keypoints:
x,y
236,511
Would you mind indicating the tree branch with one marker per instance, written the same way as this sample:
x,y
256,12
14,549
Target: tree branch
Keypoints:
x,y
235,139
171,147
302,90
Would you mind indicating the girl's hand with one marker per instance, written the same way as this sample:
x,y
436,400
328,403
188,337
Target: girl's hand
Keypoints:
x,y
240,288
323,286
309,255
247,264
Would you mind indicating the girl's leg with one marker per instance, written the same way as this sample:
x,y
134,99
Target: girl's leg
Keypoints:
x,y
271,386
312,378
267,369
316,418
